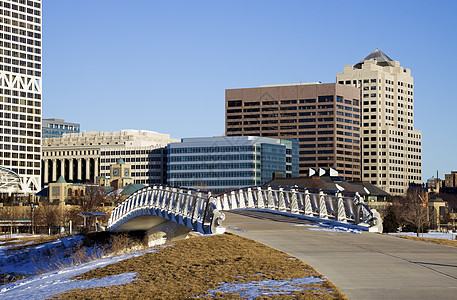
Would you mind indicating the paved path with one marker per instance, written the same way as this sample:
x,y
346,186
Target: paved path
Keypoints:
x,y
364,266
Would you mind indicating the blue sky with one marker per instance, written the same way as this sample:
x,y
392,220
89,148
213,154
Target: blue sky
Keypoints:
x,y
165,65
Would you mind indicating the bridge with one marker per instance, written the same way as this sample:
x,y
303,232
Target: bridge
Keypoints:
x,y
364,266
175,211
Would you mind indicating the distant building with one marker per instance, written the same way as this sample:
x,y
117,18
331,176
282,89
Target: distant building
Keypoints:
x,y
83,157
52,128
434,185
325,118
222,163
391,154
450,180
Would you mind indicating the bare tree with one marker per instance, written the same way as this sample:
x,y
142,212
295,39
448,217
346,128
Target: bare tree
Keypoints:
x,y
412,209
48,215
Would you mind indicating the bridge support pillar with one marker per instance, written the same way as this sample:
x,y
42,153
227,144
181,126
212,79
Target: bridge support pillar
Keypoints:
x,y
165,232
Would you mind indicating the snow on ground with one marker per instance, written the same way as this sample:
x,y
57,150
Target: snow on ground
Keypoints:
x,y
44,257
430,235
18,236
329,228
261,288
45,285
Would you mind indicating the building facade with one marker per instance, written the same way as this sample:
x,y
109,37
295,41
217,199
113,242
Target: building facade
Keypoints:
x,y
84,157
52,128
20,91
391,154
450,180
222,163
325,118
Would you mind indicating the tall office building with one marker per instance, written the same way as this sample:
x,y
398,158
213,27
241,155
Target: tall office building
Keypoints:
x,y
20,90
325,118
391,153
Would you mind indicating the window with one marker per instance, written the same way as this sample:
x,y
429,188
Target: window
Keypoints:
x,y
325,99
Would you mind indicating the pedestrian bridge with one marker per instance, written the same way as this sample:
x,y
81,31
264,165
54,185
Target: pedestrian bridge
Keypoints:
x,y
176,211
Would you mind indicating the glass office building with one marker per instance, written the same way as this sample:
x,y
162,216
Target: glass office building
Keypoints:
x,y
223,163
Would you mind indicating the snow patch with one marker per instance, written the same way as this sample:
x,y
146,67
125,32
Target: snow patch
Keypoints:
x,y
329,228
45,285
255,289
430,235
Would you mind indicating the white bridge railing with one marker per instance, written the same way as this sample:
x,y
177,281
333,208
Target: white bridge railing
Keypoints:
x,y
199,210
189,207
344,207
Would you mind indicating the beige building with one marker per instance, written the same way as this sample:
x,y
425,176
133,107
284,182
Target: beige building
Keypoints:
x,y
324,118
391,152
60,191
82,157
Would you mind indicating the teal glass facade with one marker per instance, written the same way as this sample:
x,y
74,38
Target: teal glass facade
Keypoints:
x,y
223,163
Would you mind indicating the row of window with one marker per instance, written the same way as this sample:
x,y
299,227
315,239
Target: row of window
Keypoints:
x,y
212,149
211,166
21,171
23,2
374,80
20,148
211,183
215,157
19,62
130,152
222,174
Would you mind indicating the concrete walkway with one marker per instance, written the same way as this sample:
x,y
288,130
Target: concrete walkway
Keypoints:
x,y
364,266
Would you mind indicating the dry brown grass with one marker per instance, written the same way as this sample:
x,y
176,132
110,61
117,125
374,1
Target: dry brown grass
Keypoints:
x,y
430,240
193,266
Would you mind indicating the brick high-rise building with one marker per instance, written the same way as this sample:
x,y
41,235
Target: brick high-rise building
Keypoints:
x,y
391,153
325,118
20,91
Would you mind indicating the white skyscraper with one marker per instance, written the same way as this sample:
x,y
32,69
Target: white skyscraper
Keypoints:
x,y
20,90
391,147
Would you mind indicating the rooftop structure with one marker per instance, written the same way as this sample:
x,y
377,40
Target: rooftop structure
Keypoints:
x,y
52,128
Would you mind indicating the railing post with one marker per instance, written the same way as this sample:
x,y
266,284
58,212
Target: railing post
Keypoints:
x,y
225,203
308,207
341,210
322,207
260,198
233,203
270,199
250,199
242,203
281,200
293,201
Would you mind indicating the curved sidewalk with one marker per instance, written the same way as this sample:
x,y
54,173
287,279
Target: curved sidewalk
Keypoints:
x,y
363,266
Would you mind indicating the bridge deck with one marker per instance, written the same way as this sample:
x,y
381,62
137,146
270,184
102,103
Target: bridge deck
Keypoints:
x,y
364,266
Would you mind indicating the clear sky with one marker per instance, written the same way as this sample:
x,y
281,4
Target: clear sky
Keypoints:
x,y
165,65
